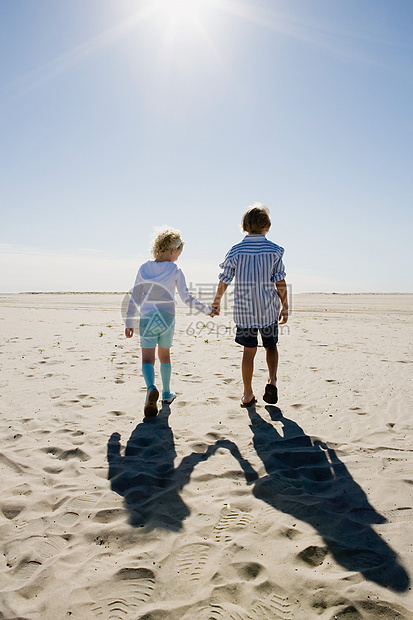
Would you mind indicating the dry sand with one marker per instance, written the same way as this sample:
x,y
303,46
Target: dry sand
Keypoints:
x,y
213,512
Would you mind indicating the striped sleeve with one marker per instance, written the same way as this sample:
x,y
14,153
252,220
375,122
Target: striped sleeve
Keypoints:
x,y
278,271
228,268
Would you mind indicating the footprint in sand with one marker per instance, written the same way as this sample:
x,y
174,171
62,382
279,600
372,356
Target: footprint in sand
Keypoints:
x,y
268,600
123,596
230,524
275,606
195,563
26,569
358,410
237,398
53,470
399,515
11,511
83,502
371,609
193,559
109,515
55,393
71,432
243,571
87,400
32,552
313,555
65,455
9,464
396,467
66,403
211,611
45,547
67,519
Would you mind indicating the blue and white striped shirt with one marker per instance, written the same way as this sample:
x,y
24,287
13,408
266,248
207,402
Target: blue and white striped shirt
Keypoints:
x,y
256,263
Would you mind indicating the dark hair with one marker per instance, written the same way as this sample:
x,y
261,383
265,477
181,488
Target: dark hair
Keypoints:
x,y
256,219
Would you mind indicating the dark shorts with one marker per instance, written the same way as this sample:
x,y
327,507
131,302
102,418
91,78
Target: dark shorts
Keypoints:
x,y
248,336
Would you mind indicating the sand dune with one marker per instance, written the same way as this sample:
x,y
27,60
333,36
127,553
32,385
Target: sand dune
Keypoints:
x,y
209,511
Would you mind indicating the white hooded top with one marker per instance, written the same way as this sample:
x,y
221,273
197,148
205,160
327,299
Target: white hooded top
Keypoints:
x,y
154,289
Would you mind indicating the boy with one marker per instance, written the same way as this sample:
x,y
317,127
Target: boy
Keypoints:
x,y
260,297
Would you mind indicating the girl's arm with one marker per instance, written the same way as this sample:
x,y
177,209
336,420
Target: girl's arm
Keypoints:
x,y
186,296
134,303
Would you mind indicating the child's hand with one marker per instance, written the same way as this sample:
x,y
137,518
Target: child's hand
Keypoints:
x,y
129,332
283,318
216,309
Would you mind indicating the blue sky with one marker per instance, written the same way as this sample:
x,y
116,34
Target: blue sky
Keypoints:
x,y
120,115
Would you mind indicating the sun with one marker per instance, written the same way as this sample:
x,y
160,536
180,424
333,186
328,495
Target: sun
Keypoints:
x,y
181,16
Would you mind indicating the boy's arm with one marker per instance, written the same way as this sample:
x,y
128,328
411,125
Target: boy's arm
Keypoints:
x,y
225,278
282,292
216,304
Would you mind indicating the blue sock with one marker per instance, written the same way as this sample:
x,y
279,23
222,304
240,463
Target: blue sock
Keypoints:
x,y
148,372
166,371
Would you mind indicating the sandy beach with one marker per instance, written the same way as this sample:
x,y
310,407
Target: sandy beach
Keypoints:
x,y
209,511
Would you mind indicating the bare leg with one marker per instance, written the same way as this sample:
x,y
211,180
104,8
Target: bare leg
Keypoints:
x,y
148,356
164,355
272,363
247,368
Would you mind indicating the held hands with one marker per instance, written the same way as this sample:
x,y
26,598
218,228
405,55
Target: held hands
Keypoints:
x,y
129,332
216,308
216,304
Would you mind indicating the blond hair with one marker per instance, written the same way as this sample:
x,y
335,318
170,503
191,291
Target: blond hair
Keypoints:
x,y
164,240
256,219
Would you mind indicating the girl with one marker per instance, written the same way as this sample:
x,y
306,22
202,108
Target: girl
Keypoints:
x,y
154,294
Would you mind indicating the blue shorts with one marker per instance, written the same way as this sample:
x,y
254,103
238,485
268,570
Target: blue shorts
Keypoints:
x,y
156,328
248,336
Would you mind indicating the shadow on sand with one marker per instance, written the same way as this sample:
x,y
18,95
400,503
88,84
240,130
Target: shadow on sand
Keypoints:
x,y
147,478
307,480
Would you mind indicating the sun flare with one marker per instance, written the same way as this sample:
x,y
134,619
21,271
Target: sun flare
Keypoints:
x,y
181,15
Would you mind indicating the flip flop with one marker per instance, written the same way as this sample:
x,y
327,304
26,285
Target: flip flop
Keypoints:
x,y
270,394
250,403
151,408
